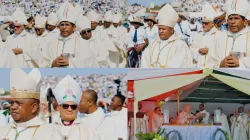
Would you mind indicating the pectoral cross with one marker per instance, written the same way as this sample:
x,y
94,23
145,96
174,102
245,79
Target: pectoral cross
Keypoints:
x,y
65,138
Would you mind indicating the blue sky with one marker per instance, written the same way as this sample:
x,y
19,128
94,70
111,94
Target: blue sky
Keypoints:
x,y
147,2
5,81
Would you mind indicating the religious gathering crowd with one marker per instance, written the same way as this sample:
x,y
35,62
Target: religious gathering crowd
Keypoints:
x,y
64,108
74,38
236,125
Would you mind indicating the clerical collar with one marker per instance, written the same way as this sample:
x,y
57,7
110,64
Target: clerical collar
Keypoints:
x,y
65,123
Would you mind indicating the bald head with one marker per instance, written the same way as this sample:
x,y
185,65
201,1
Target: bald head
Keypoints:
x,y
88,102
91,95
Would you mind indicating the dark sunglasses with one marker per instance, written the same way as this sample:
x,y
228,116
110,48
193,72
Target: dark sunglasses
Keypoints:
x,y
38,30
84,32
17,27
66,106
205,23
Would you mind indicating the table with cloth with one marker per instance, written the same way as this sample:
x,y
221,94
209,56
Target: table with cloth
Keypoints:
x,y
194,132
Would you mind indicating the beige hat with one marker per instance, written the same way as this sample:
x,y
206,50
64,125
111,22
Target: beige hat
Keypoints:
x,y
137,20
208,12
52,19
39,22
108,17
116,19
24,85
19,17
93,16
171,19
239,7
152,18
82,23
67,13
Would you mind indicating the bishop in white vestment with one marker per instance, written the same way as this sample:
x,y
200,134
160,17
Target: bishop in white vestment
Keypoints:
x,y
97,50
206,40
23,44
68,95
26,124
168,51
234,49
67,44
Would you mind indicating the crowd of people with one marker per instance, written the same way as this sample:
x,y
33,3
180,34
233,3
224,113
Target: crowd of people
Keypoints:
x,y
32,7
71,110
117,41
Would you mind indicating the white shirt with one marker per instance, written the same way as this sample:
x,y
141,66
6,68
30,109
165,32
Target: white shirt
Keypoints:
x,y
95,119
184,31
152,33
141,36
206,118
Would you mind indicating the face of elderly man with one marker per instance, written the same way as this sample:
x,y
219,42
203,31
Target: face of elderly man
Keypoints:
x,y
18,28
86,34
207,25
68,111
165,32
23,110
66,28
236,23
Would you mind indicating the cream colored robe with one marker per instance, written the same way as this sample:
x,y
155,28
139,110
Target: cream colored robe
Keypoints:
x,y
120,119
116,49
31,55
42,40
99,53
74,45
239,42
224,122
77,131
37,131
174,53
206,40
155,122
239,128
95,119
7,58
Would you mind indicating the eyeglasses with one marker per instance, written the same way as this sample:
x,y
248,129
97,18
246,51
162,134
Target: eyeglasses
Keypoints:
x,y
38,30
17,27
205,23
66,106
84,32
